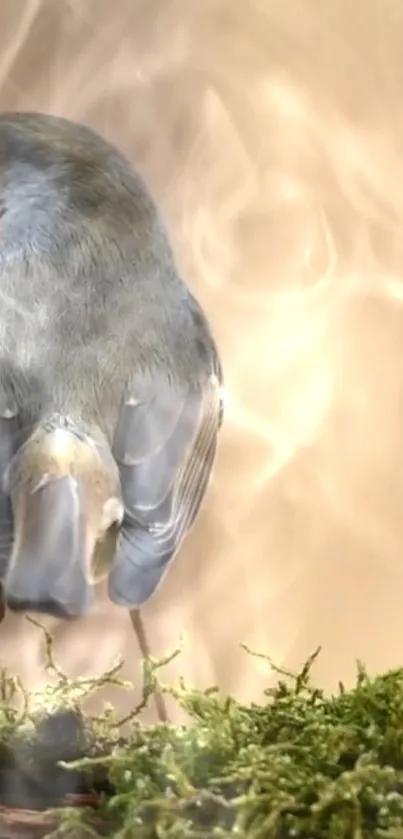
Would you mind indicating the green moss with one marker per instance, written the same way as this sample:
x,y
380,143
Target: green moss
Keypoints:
x,y
300,765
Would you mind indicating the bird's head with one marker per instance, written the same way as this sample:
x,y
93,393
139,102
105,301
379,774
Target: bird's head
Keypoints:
x,y
65,495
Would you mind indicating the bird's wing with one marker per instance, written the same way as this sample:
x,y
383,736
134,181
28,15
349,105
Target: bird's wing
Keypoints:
x,y
9,427
164,445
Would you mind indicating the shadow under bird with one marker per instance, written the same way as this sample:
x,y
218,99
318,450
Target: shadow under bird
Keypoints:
x,y
110,379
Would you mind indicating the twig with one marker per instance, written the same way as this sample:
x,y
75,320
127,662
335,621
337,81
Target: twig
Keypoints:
x,y
24,824
50,664
144,647
36,824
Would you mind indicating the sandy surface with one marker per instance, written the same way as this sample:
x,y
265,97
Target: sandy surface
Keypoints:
x,y
271,132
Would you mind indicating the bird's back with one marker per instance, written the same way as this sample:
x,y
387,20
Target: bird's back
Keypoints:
x,y
99,338
89,287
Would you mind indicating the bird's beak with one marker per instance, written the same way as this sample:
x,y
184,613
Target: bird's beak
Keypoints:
x,y
53,546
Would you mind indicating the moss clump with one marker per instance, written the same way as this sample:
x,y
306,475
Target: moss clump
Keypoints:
x,y
301,765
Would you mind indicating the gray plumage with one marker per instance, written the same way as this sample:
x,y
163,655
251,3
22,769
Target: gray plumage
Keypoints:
x,y
99,337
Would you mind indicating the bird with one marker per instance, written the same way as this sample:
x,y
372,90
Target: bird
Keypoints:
x,y
111,380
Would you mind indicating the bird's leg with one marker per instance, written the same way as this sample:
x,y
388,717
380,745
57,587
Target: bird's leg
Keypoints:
x,y
139,630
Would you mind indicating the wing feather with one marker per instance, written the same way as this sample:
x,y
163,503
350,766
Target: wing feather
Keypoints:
x,y
9,428
165,447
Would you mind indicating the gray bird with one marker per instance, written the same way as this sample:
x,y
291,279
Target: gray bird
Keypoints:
x,y
110,379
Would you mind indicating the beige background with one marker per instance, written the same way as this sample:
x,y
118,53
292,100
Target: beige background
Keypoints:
x,y
271,132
